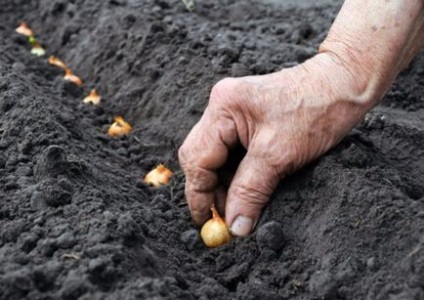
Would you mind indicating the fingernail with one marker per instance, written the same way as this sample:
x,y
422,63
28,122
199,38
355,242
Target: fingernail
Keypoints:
x,y
241,226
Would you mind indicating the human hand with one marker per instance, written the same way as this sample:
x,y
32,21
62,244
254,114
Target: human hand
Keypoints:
x,y
288,118
284,120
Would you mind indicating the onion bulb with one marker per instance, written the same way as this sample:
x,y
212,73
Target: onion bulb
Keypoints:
x,y
93,98
158,176
24,30
38,50
71,77
215,232
53,60
119,127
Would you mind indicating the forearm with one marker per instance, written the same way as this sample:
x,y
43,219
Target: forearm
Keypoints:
x,y
374,41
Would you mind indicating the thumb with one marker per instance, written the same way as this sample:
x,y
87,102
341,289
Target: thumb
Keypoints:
x,y
250,190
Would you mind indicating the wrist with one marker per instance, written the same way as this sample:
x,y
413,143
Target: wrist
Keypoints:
x,y
327,87
367,83
344,81
373,41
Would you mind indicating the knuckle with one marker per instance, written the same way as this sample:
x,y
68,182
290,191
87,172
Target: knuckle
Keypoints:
x,y
200,180
223,89
182,154
224,84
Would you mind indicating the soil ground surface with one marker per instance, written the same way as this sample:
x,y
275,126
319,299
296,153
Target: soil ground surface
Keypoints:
x,y
76,222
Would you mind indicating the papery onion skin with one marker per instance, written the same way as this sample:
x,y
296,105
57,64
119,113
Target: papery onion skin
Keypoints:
x,y
57,62
71,77
23,29
119,127
158,176
215,232
38,50
93,98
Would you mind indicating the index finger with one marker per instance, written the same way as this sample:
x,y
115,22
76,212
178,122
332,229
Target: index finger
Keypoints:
x,y
203,152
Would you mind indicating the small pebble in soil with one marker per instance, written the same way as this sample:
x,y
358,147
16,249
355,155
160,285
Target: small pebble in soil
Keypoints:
x,y
371,263
270,236
51,162
66,240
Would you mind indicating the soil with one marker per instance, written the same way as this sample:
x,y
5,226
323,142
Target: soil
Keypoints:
x,y
76,222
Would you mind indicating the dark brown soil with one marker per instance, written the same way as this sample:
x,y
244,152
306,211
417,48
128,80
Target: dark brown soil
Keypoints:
x,y
77,223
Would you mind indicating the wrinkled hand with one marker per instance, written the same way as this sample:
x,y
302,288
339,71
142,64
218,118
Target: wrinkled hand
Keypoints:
x,y
284,120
